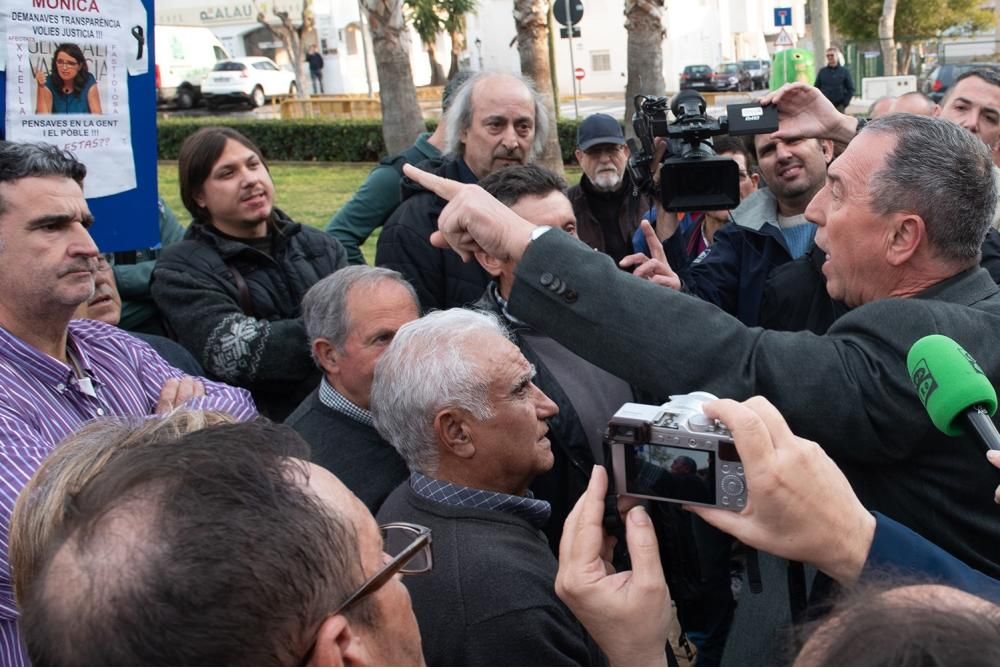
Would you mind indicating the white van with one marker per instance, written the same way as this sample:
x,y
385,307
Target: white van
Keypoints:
x,y
184,55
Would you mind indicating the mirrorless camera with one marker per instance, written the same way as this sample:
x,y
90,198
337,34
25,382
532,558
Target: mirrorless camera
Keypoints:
x,y
674,453
692,177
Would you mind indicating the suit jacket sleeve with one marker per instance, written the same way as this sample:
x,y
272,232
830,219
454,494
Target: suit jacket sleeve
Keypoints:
x,y
852,383
898,548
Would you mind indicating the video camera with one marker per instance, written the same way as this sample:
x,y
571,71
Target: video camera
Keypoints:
x,y
692,177
674,453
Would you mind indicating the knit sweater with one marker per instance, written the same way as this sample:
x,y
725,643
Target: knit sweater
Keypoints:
x,y
490,599
367,464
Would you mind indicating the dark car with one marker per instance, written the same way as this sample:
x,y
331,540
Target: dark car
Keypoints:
x,y
942,77
760,72
731,77
698,77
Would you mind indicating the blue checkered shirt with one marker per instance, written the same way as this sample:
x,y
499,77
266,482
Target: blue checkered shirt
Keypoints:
x,y
329,396
535,511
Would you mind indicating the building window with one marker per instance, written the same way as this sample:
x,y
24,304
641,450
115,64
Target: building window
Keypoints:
x,y
351,39
600,61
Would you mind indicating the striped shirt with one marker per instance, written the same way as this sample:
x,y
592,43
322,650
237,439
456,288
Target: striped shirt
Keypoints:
x,y
42,401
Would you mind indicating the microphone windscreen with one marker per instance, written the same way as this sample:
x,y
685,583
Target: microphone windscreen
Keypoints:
x,y
948,381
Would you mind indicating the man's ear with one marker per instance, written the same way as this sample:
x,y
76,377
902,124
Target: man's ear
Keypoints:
x,y
827,146
908,233
579,154
326,355
452,429
336,645
199,198
492,266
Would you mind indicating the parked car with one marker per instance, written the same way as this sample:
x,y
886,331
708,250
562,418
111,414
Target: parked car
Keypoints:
x,y
942,77
696,76
253,80
731,77
184,56
760,72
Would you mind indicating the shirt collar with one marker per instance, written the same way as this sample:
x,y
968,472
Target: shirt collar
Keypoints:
x,y
494,289
329,396
45,367
535,511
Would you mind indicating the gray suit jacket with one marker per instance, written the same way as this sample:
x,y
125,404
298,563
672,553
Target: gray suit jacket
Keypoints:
x,y
848,390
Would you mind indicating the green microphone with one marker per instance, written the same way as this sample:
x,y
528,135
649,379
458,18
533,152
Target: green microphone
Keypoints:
x,y
953,388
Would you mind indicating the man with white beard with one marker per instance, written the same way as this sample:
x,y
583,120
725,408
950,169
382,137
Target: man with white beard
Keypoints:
x,y
607,209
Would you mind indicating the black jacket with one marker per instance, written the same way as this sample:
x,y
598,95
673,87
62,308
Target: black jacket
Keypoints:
x,y
836,84
591,231
795,296
195,288
439,276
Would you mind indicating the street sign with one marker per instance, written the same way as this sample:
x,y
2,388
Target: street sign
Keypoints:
x,y
564,32
782,16
784,39
567,12
579,73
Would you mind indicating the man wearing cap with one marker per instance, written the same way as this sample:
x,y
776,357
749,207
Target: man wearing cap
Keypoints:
x,y
607,211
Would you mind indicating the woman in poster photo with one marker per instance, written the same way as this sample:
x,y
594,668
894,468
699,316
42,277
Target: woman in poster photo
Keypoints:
x,y
69,88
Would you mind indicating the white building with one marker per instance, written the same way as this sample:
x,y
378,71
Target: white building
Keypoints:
x,y
697,31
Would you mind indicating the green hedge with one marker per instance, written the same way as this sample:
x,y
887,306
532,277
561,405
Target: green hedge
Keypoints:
x,y
311,139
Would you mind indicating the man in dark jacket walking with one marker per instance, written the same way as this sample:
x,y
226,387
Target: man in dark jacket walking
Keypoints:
x,y
495,120
231,290
835,81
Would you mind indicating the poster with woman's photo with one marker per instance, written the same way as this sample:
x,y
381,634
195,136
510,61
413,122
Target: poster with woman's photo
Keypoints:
x,y
67,67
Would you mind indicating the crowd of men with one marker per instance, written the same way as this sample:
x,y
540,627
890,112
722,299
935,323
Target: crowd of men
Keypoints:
x,y
251,487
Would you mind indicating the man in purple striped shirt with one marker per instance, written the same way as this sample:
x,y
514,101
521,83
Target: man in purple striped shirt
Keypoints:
x,y
56,374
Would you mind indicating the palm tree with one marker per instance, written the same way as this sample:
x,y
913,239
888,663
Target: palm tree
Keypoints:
x,y
454,25
644,23
428,23
402,120
531,17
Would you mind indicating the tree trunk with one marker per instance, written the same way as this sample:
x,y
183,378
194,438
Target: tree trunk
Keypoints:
x,y
402,120
886,38
437,72
457,47
907,58
531,18
644,24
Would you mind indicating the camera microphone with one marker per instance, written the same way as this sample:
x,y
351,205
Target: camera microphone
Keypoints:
x,y
953,388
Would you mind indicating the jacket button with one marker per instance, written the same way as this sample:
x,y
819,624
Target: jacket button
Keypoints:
x,y
546,279
570,296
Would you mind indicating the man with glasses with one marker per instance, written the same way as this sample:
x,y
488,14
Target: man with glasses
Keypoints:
x,y
835,81
238,553
607,209
455,396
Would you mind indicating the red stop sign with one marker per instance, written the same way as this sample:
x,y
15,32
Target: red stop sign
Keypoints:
x,y
580,73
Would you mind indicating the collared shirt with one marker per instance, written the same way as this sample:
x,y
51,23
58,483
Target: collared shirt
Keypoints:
x,y
535,511
42,401
329,396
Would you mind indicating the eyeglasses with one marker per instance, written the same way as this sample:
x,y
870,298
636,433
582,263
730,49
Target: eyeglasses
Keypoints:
x,y
67,63
411,547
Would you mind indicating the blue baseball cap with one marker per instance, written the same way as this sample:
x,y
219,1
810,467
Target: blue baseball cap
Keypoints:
x,y
599,129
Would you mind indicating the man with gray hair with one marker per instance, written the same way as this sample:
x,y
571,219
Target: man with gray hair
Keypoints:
x,y
903,215
494,120
350,318
456,398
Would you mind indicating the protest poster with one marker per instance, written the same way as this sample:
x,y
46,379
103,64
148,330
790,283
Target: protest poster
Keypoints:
x,y
67,68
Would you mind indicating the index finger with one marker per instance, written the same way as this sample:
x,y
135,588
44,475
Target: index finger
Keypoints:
x,y
444,188
653,242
